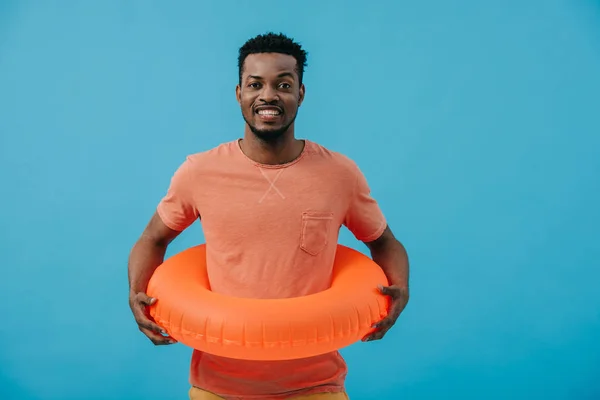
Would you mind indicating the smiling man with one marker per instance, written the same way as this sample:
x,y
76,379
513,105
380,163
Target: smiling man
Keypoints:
x,y
271,207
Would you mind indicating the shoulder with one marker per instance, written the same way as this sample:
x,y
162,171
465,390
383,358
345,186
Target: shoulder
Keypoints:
x,y
334,159
199,161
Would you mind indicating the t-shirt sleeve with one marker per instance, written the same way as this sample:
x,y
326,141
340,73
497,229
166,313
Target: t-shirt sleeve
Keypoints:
x,y
177,208
364,217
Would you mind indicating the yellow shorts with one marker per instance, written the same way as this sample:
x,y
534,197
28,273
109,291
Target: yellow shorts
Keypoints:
x,y
199,394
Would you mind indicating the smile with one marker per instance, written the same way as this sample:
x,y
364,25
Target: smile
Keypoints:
x,y
268,112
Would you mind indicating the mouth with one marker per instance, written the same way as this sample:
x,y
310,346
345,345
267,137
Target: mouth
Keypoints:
x,y
268,113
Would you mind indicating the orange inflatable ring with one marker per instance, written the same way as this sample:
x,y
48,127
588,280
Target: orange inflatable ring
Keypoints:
x,y
267,329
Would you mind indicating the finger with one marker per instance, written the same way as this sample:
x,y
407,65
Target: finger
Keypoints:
x,y
158,335
381,328
397,307
151,326
386,290
157,339
142,314
393,291
144,320
384,323
145,299
378,335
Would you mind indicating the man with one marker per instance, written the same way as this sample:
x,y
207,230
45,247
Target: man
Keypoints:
x,y
271,207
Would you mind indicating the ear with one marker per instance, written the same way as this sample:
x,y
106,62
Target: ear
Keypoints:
x,y
301,95
238,93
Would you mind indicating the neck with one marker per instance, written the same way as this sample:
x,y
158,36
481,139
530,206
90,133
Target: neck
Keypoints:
x,y
280,151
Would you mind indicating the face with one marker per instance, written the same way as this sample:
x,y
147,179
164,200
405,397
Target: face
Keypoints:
x,y
270,94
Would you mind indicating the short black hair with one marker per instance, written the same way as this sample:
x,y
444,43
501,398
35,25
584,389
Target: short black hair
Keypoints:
x,y
273,43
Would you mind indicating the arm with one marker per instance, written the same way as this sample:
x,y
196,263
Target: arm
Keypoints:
x,y
365,220
391,256
146,255
176,211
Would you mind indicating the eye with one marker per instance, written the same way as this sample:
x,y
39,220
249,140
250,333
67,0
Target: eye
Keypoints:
x,y
285,85
254,85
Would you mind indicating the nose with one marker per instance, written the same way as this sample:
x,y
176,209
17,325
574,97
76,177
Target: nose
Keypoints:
x,y
268,94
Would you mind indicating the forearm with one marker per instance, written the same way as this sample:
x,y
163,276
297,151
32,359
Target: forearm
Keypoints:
x,y
144,258
392,257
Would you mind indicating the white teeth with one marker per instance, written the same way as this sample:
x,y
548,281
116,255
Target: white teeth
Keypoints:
x,y
268,112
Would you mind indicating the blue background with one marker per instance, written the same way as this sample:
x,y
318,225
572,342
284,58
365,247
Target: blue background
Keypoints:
x,y
476,123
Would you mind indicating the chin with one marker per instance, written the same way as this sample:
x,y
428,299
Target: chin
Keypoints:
x,y
268,134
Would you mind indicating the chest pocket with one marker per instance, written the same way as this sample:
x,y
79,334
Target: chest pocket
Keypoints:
x,y
315,231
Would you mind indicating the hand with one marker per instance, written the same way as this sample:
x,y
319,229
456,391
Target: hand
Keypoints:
x,y
138,303
399,298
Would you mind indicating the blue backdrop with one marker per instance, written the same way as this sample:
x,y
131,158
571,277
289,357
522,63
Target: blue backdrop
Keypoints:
x,y
476,123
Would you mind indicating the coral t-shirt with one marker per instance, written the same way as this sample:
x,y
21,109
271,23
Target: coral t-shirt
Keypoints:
x,y
271,231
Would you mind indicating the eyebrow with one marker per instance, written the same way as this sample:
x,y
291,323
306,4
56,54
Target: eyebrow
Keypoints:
x,y
279,76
